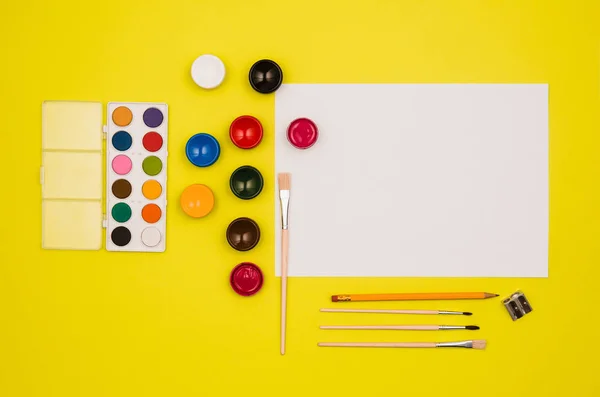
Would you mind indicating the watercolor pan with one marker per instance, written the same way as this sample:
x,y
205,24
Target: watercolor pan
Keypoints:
x,y
135,177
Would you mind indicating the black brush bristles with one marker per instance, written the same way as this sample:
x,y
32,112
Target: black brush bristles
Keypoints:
x,y
472,327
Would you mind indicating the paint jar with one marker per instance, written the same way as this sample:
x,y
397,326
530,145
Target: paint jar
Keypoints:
x,y
265,76
302,133
208,71
202,150
246,279
246,132
197,200
243,234
246,182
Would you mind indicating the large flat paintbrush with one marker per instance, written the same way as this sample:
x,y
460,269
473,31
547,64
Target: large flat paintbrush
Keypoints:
x,y
284,181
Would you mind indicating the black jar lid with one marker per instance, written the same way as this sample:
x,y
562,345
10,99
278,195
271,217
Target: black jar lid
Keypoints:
x,y
265,76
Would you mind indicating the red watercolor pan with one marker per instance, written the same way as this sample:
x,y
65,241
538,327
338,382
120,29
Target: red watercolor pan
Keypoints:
x,y
246,279
302,133
246,132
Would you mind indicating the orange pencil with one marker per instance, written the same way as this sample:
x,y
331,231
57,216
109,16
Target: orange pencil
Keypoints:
x,y
412,297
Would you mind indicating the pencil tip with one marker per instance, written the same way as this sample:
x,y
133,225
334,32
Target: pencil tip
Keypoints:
x,y
472,327
467,313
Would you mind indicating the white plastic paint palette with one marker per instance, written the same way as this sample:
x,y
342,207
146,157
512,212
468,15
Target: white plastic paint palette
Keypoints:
x,y
136,176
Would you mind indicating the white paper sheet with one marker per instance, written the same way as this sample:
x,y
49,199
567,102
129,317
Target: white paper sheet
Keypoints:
x,y
429,180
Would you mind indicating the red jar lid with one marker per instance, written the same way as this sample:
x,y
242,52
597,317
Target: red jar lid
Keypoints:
x,y
246,132
302,133
246,279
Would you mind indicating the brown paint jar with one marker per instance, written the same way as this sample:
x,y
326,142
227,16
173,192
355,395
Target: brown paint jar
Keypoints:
x,y
243,234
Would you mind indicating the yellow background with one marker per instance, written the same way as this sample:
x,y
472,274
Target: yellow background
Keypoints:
x,y
119,324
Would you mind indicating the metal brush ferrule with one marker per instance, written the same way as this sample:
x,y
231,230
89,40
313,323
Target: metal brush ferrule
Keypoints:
x,y
443,327
448,312
284,196
467,343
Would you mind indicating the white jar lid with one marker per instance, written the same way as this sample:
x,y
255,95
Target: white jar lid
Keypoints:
x,y
208,71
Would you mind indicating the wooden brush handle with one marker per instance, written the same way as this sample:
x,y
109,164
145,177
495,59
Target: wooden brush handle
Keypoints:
x,y
380,344
381,311
284,271
413,296
391,327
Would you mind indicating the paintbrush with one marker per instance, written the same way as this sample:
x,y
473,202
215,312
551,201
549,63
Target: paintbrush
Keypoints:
x,y
404,327
443,312
469,344
284,180
412,296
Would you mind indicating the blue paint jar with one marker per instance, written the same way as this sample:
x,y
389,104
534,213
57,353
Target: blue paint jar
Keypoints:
x,y
202,150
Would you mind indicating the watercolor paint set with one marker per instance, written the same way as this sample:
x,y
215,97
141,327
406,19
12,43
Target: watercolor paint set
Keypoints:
x,y
134,181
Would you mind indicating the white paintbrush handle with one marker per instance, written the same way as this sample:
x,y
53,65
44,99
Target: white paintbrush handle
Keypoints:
x,y
392,327
284,271
380,344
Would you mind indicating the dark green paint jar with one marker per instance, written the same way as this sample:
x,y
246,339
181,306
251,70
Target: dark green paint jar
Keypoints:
x,y
246,182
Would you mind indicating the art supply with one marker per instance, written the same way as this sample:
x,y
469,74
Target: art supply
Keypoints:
x,y
413,179
202,150
265,76
246,132
137,154
302,133
517,305
136,176
382,311
284,181
469,344
412,296
208,71
197,200
246,182
246,279
402,327
243,234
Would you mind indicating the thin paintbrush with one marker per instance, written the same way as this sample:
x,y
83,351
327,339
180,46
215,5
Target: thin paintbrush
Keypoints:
x,y
469,344
404,327
412,296
284,180
395,311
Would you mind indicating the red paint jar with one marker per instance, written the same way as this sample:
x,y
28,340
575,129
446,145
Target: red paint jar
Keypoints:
x,y
246,279
302,133
246,132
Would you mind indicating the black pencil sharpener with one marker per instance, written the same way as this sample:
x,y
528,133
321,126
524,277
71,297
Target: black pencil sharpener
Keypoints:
x,y
517,305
